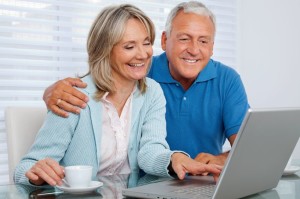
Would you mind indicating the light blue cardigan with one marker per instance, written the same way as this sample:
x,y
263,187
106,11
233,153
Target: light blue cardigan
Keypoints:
x,y
76,140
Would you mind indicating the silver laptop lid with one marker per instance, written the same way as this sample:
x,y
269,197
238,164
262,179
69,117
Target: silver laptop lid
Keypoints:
x,y
256,162
260,152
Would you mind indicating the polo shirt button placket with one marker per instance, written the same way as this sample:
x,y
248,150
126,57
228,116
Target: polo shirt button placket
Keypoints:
x,y
184,107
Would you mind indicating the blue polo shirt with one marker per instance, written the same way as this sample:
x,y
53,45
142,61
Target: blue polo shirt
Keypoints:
x,y
211,110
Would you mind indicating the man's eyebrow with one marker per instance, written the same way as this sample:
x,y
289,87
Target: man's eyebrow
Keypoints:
x,y
205,37
183,34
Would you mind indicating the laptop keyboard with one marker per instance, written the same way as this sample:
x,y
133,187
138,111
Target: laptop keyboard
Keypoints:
x,y
203,190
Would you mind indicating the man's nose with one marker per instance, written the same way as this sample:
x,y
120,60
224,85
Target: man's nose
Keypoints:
x,y
193,48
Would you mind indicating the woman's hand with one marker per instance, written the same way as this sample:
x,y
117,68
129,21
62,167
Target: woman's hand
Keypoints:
x,y
207,158
182,164
46,171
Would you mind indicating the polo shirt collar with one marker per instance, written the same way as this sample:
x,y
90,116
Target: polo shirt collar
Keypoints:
x,y
162,72
209,72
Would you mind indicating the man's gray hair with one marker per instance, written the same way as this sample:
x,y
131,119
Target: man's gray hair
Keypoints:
x,y
189,7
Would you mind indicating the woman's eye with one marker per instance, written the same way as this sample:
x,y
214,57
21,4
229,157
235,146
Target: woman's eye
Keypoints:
x,y
147,43
128,47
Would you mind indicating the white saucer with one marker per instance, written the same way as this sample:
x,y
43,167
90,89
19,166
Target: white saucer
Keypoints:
x,y
80,190
290,170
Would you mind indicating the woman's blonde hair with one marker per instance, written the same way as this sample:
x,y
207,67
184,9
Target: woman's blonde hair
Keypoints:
x,y
106,31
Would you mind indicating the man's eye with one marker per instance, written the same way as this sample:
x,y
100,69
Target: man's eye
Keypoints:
x,y
147,44
184,40
204,41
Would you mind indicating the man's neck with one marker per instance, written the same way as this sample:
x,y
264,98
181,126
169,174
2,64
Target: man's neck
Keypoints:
x,y
186,84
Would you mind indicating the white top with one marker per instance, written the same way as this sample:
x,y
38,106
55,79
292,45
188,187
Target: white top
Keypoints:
x,y
115,138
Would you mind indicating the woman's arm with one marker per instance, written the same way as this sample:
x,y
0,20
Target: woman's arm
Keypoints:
x,y
51,141
154,155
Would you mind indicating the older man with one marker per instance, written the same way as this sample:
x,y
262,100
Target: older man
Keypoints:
x,y
206,100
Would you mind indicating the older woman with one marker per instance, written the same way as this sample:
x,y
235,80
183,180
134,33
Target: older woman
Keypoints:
x,y
123,128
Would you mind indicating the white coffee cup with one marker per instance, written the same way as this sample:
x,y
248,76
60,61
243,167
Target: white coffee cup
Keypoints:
x,y
78,176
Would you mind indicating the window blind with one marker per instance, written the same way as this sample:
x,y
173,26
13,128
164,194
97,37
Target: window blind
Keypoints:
x,y
43,41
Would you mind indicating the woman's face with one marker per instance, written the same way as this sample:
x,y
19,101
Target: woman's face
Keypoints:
x,y
131,57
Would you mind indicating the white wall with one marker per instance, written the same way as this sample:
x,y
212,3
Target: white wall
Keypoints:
x,y
269,53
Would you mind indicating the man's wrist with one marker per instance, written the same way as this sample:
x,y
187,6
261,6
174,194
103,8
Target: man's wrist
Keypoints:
x,y
225,154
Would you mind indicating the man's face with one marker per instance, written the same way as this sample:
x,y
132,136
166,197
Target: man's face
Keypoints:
x,y
189,46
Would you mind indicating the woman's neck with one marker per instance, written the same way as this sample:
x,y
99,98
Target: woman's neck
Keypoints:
x,y
121,94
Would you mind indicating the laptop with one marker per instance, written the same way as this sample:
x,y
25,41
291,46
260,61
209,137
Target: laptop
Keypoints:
x,y
262,148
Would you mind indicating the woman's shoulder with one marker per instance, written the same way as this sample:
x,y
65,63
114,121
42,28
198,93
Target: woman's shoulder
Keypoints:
x,y
152,86
151,83
154,91
91,87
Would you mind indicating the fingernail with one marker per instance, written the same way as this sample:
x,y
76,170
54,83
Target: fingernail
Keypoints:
x,y
83,105
77,111
181,175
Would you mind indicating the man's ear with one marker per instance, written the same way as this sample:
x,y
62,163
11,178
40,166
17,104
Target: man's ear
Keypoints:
x,y
163,40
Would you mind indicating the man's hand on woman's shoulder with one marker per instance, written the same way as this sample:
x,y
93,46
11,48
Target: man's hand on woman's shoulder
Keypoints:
x,y
62,98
